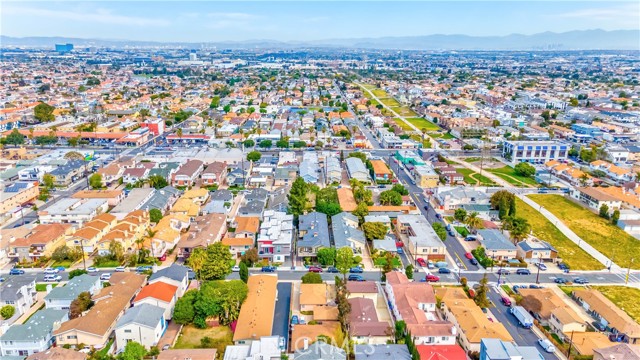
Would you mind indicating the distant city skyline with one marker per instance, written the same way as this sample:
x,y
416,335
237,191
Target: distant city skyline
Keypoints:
x,y
211,21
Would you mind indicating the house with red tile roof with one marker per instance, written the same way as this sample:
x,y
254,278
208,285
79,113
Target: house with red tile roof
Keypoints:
x,y
159,294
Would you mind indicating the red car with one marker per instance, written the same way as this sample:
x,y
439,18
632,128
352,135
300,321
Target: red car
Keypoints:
x,y
468,256
315,269
421,262
431,278
506,301
399,244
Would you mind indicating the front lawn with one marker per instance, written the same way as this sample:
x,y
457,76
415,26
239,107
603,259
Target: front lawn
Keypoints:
x,y
598,232
390,102
107,264
64,263
461,230
569,251
421,123
191,338
625,298
43,287
509,174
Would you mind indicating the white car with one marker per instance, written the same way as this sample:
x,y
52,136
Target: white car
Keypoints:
x,y
50,271
92,270
105,277
547,345
52,278
541,266
235,268
120,269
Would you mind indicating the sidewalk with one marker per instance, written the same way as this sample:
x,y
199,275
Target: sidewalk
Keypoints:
x,y
547,214
36,306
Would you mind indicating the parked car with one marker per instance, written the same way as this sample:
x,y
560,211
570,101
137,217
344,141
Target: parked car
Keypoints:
x,y
15,271
332,269
166,347
523,272
473,261
541,266
105,277
399,250
444,271
269,268
92,270
534,286
579,280
356,270
468,256
547,345
60,268
431,278
315,269
563,266
120,269
599,326
426,207
421,262
294,320
560,280
52,278
144,268
50,271
355,277
503,272
235,268
470,238
505,300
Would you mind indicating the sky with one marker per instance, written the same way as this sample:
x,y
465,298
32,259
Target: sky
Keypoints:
x,y
205,21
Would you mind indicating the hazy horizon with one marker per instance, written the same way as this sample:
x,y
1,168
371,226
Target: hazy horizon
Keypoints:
x,y
218,21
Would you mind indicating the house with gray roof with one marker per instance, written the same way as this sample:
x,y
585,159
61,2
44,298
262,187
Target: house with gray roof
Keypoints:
x,y
452,198
345,231
220,203
382,352
175,274
60,297
320,350
496,349
144,324
65,174
313,230
357,170
19,292
333,170
496,244
165,169
162,199
35,335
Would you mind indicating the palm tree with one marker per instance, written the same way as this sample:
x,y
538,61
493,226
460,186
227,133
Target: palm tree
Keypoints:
x,y
519,228
473,221
179,133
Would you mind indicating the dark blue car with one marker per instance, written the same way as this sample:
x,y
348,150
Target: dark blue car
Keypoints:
x,y
356,270
355,277
444,271
268,269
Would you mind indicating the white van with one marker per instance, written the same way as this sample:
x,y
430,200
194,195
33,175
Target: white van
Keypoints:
x,y
547,345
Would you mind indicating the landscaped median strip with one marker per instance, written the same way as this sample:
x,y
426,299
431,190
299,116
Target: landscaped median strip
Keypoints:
x,y
598,232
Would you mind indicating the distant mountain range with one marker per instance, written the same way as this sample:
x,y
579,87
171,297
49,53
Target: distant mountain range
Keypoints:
x,y
571,40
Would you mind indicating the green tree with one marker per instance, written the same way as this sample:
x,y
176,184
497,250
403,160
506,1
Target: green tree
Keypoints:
x,y
48,181
197,259
227,108
244,272
460,214
328,208
390,197
7,311
473,221
360,155
250,257
518,228
604,211
374,230
184,312
573,102
133,351
344,261
265,144
311,278
14,138
155,215
215,102
76,272
525,169
157,181
218,262
400,189
116,251
326,256
440,230
80,304
362,210
73,142
43,112
408,271
254,156
95,181
282,143
298,197
248,143
481,298
615,217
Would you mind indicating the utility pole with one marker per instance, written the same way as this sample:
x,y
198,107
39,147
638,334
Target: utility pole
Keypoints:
x,y
84,261
570,345
538,274
626,279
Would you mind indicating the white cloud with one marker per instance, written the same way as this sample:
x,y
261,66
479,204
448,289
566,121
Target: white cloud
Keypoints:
x,y
99,15
622,14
